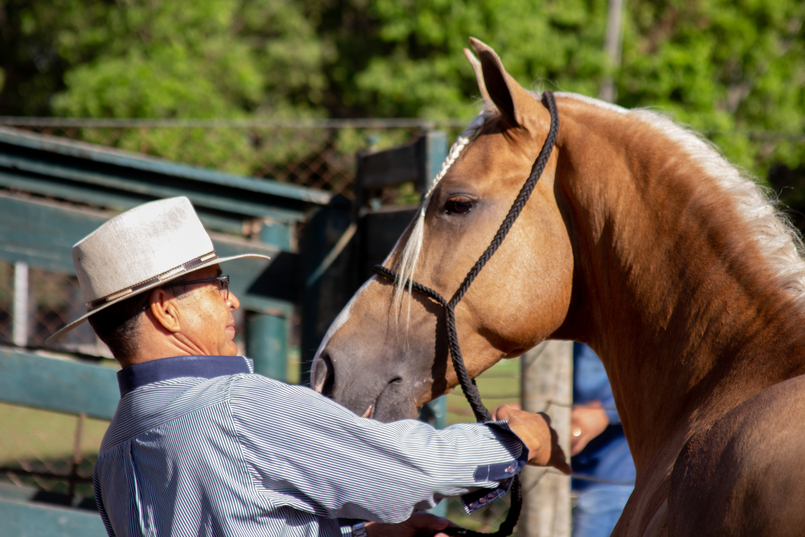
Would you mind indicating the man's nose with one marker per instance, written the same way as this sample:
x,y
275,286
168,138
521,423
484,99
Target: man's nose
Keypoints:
x,y
233,301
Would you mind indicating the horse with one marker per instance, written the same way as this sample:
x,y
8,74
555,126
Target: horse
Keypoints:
x,y
640,240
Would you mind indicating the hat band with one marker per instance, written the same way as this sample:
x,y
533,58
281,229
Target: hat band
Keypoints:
x,y
184,267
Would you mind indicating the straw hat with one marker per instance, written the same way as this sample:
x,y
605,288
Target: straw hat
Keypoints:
x,y
139,250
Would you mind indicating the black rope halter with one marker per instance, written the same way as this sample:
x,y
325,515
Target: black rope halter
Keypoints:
x,y
482,415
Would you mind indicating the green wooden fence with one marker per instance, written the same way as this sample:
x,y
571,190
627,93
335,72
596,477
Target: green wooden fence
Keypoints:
x,y
52,194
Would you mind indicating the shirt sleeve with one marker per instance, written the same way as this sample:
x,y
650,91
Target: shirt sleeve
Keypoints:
x,y
590,382
609,409
312,454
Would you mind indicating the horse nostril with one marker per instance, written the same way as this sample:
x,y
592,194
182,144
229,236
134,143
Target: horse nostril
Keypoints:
x,y
323,375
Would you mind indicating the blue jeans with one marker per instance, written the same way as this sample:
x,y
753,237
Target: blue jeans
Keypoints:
x,y
598,510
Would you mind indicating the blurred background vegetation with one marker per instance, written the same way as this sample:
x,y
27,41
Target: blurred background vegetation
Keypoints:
x,y
731,69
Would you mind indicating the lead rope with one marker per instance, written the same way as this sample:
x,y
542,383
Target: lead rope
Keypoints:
x,y
482,415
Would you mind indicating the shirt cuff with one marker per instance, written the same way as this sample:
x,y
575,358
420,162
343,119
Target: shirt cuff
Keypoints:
x,y
502,472
475,500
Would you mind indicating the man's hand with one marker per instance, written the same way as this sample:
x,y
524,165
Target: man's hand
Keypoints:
x,y
535,430
420,523
586,422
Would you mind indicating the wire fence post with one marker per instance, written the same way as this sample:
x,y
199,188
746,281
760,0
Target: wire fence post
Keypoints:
x,y
547,386
20,318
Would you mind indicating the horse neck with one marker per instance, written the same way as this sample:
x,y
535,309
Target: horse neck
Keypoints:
x,y
671,293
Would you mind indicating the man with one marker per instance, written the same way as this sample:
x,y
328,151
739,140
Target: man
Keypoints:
x,y
200,445
605,472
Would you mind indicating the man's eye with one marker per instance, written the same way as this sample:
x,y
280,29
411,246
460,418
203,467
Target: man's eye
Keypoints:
x,y
460,205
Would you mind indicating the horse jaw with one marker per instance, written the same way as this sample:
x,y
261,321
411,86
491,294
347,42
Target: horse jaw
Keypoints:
x,y
385,367
369,364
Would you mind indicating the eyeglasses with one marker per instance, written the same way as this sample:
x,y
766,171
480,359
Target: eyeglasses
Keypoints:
x,y
223,279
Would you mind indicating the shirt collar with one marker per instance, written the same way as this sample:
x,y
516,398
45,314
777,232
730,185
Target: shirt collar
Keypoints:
x,y
134,376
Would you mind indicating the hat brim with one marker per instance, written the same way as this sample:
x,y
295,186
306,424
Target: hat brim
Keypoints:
x,y
214,261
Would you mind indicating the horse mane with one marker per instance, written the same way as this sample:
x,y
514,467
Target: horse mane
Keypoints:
x,y
773,234
778,241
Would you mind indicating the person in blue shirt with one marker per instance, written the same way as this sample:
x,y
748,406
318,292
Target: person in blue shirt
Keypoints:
x,y
600,456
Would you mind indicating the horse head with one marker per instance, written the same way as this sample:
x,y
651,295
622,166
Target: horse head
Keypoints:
x,y
640,240
386,353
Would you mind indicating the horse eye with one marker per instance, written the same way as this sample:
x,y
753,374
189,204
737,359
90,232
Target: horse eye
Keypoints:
x,y
460,205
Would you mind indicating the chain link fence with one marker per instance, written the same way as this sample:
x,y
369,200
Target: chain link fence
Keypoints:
x,y
55,453
35,303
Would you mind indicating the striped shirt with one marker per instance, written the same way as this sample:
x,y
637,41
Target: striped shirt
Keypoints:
x,y
200,445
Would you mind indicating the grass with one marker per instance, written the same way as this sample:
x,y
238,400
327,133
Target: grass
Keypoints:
x,y
498,385
32,434
41,440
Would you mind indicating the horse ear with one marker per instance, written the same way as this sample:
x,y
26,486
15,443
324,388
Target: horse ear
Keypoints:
x,y
503,90
479,74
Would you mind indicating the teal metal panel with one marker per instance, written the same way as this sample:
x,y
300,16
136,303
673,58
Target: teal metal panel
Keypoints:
x,y
40,520
323,300
106,190
58,385
266,344
113,200
279,234
261,286
125,160
41,234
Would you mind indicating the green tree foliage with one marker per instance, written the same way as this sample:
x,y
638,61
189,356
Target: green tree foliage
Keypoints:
x,y
31,64
727,68
732,69
207,58
404,57
128,59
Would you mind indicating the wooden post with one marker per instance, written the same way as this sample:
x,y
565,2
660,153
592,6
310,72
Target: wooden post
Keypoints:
x,y
547,386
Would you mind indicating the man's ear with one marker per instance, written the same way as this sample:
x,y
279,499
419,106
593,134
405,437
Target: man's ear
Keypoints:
x,y
163,307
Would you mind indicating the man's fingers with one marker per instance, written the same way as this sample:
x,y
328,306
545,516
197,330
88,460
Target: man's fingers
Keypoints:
x,y
504,412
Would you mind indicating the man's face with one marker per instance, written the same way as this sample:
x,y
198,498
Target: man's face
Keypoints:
x,y
206,315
